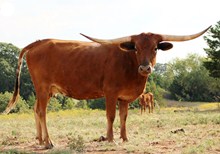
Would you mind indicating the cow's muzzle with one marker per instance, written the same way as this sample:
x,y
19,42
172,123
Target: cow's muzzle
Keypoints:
x,y
145,70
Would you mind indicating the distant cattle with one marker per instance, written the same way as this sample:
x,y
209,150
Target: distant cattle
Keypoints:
x,y
146,100
116,69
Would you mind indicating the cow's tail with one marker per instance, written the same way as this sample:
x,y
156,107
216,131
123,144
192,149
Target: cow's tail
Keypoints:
x,y
13,101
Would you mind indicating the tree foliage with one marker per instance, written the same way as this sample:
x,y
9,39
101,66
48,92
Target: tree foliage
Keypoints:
x,y
212,63
8,62
191,80
96,103
8,65
153,86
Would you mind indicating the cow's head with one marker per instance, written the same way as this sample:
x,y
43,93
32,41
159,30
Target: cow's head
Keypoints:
x,y
145,45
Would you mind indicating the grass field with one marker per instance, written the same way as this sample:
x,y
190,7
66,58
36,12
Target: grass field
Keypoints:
x,y
179,128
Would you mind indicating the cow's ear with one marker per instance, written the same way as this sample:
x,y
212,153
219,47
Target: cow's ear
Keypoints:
x,y
164,46
127,46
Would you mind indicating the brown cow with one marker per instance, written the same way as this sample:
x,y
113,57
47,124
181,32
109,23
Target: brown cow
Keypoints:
x,y
115,69
146,100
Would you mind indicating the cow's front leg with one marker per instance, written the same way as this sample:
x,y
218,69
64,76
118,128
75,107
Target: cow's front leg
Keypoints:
x,y
123,112
110,114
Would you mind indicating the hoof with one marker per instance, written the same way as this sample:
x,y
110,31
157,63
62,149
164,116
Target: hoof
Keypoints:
x,y
40,141
49,146
124,139
100,139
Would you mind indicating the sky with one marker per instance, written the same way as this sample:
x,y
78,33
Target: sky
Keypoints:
x,y
23,22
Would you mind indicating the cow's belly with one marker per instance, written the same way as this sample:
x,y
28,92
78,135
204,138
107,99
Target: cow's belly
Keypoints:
x,y
77,91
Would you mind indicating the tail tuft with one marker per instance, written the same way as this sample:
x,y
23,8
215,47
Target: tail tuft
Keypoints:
x,y
11,103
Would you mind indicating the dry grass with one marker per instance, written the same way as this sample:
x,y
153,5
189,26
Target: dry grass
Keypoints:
x,y
165,131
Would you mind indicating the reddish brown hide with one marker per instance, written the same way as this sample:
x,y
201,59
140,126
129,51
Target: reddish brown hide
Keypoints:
x,y
115,69
146,100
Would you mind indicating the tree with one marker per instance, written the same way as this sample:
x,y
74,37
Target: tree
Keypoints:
x,y
31,101
96,103
8,62
156,83
27,87
153,86
212,63
192,81
8,65
160,69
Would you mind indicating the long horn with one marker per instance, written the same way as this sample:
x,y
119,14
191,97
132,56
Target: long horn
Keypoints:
x,y
118,40
184,37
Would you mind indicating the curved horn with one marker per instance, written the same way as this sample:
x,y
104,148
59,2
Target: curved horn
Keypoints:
x,y
118,40
184,37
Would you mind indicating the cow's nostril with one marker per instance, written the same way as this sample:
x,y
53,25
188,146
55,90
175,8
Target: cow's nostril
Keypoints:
x,y
149,69
141,69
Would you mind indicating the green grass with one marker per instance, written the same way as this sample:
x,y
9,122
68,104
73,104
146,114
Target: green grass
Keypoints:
x,y
75,131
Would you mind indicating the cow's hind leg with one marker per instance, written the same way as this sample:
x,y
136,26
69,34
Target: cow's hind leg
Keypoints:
x,y
152,107
40,116
149,107
38,126
123,112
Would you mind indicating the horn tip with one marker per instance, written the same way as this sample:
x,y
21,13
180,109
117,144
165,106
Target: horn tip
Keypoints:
x,y
82,34
86,36
208,28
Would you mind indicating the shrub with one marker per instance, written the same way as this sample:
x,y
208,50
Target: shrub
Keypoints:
x,y
81,104
69,104
76,143
97,103
54,105
134,104
20,107
31,100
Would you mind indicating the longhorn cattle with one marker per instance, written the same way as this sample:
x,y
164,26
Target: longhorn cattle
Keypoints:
x,y
146,100
116,69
